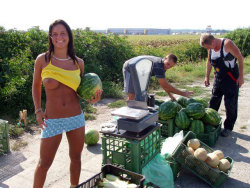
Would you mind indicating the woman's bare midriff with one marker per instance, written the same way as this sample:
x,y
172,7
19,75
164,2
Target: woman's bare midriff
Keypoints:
x,y
61,100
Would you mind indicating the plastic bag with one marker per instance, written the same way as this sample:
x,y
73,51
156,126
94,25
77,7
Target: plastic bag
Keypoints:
x,y
171,143
159,172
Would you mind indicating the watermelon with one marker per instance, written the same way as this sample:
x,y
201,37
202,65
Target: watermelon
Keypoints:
x,y
191,100
90,84
183,101
158,102
211,117
197,126
179,107
202,101
195,110
209,128
91,137
167,110
181,120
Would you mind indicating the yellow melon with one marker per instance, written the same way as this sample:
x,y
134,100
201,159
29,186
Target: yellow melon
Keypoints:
x,y
219,154
193,143
201,154
224,165
190,150
212,160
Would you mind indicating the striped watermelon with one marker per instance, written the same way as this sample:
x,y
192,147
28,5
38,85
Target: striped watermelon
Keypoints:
x,y
209,128
195,110
191,100
167,110
181,120
179,107
90,84
211,117
183,101
197,126
202,101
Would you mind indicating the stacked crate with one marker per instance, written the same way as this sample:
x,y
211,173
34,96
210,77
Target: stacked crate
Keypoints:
x,y
132,153
4,137
168,130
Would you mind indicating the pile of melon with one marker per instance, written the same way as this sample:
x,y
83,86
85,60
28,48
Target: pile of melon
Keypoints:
x,y
190,114
215,159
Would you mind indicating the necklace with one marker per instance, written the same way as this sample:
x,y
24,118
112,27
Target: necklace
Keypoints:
x,y
62,59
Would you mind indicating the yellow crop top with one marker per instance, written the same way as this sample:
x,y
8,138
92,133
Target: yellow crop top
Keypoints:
x,y
70,78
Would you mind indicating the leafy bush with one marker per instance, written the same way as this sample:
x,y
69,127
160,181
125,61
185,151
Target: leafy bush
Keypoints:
x,y
16,92
112,90
102,54
241,37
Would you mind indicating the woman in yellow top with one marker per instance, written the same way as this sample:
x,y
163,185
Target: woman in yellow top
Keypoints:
x,y
60,72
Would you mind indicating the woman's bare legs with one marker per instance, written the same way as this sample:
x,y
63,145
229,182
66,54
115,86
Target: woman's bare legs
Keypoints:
x,y
48,148
76,142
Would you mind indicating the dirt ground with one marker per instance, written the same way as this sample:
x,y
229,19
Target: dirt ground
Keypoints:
x,y
17,167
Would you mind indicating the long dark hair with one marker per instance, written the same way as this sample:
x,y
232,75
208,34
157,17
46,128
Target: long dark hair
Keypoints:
x,y
71,51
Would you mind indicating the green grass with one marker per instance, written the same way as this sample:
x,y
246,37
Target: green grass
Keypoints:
x,y
161,93
117,104
243,127
18,145
89,116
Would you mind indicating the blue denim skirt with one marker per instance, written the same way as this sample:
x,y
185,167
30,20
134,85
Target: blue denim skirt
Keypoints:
x,y
60,125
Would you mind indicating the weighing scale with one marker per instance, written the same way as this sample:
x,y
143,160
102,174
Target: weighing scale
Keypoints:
x,y
137,115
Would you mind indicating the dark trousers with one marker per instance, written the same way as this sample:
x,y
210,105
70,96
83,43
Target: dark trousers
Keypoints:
x,y
230,90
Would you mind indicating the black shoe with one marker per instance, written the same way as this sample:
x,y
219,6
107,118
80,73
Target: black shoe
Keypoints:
x,y
225,132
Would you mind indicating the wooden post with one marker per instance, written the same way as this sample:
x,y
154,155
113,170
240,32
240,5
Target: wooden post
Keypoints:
x,y
25,117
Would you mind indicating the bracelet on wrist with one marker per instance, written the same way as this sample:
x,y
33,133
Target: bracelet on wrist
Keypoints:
x,y
38,110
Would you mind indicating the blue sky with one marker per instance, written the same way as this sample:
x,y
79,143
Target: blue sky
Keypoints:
x,y
102,14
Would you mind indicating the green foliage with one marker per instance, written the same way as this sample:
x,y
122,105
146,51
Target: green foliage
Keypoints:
x,y
112,90
102,54
241,37
117,104
88,108
161,93
15,131
186,47
16,92
89,117
37,40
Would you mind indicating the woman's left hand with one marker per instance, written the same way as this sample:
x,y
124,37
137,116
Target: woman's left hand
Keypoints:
x,y
97,97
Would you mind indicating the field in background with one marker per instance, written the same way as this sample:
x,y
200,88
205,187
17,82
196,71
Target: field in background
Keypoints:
x,y
161,39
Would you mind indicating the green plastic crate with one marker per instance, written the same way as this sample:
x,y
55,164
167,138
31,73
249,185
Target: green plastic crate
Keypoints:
x,y
166,129
208,138
131,154
212,176
123,174
4,137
